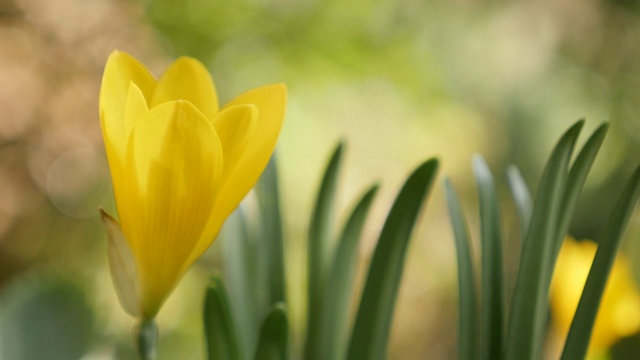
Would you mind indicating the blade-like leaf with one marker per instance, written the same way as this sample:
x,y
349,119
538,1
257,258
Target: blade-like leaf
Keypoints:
x,y
580,332
271,241
491,325
274,335
319,250
218,324
467,321
530,305
331,339
372,325
521,198
240,272
575,183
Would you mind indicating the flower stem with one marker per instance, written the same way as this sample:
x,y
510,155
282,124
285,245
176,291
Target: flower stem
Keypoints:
x,y
146,335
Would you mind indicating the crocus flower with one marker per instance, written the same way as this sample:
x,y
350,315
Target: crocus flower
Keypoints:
x,y
619,312
179,166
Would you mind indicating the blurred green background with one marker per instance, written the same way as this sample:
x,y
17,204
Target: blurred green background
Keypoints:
x,y
400,80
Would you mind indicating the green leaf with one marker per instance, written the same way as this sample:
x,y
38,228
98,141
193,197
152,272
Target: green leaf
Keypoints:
x,y
580,332
491,326
240,272
372,325
331,339
530,303
319,250
218,324
254,259
468,318
575,183
274,335
271,241
521,198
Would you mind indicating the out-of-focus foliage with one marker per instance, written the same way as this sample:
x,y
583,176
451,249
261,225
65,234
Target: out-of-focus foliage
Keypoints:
x,y
547,225
230,321
401,80
45,318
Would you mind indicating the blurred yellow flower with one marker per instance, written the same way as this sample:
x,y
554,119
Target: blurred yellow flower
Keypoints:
x,y
179,166
619,313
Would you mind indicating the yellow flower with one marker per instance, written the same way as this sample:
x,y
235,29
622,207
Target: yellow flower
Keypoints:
x,y
619,313
179,165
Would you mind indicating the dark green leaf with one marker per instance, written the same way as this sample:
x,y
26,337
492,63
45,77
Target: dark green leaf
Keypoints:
x,y
529,309
271,241
521,198
218,324
467,318
319,247
575,183
274,335
240,272
491,326
372,325
331,339
580,332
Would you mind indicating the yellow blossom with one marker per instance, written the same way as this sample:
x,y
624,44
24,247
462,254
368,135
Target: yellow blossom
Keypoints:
x,y
619,312
179,165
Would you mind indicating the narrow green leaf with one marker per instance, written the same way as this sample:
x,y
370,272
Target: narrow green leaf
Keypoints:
x,y
218,324
254,260
530,304
521,198
372,325
491,326
331,340
575,183
271,241
580,332
241,273
274,335
467,318
319,247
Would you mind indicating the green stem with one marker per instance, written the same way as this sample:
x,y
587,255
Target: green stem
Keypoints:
x,y
146,335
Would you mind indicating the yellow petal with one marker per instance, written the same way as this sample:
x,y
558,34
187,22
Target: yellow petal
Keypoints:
x,y
234,125
136,108
122,266
120,71
270,101
619,312
251,161
174,158
187,79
